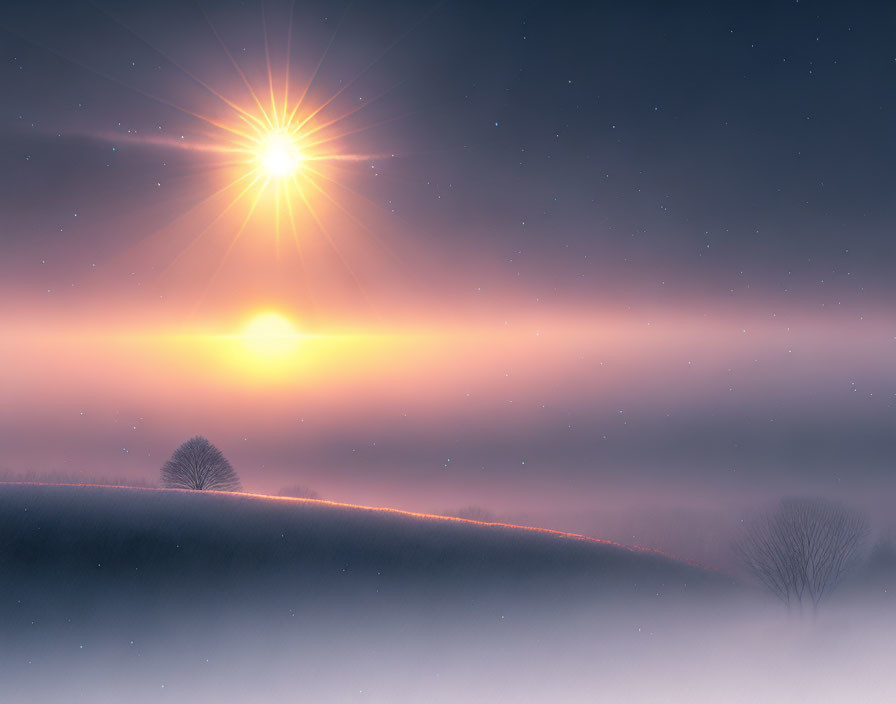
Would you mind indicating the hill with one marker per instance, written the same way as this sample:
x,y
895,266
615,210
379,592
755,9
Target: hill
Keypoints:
x,y
149,540
140,595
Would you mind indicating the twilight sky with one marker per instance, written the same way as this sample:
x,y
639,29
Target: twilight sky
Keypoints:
x,y
530,249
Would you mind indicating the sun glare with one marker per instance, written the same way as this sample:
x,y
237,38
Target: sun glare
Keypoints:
x,y
270,334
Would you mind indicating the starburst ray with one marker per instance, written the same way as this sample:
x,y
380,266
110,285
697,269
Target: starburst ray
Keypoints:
x,y
244,114
303,279
216,219
234,240
210,147
369,66
145,94
277,218
195,207
267,61
295,233
344,187
316,70
292,9
355,219
344,116
342,135
236,66
333,244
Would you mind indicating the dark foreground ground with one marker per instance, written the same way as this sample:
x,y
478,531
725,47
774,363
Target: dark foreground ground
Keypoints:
x,y
139,595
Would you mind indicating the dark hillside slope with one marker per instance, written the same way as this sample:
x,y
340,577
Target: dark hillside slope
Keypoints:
x,y
167,545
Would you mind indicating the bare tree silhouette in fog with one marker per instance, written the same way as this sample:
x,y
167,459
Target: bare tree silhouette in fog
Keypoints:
x,y
197,464
801,550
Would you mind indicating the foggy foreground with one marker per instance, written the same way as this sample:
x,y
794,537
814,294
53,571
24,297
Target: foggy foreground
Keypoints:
x,y
110,595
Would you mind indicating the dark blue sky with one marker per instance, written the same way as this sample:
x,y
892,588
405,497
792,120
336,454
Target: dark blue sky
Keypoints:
x,y
714,146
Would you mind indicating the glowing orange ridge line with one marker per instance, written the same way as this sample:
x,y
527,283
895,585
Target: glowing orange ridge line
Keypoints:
x,y
398,511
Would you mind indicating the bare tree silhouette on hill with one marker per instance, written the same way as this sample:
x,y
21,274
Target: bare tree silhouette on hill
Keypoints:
x,y
199,465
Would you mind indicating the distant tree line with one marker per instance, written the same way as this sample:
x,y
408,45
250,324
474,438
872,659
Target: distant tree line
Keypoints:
x,y
298,491
79,478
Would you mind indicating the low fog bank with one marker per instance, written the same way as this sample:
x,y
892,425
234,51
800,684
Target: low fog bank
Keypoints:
x,y
110,595
740,652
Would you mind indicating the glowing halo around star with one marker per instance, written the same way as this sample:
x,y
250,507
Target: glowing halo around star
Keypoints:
x,y
280,148
284,150
270,334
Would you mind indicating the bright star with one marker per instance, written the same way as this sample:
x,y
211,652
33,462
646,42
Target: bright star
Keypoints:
x,y
279,154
